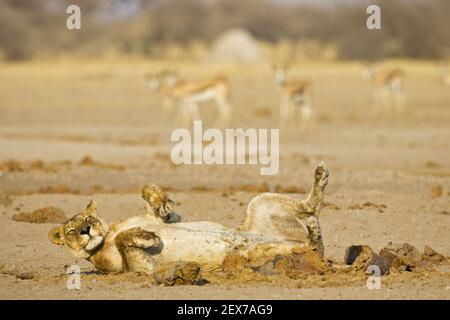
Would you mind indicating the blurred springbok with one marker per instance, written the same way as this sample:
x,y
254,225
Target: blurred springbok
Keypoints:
x,y
187,94
388,87
295,96
443,74
157,84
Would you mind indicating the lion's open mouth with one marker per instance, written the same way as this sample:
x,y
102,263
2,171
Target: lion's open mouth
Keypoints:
x,y
93,243
85,230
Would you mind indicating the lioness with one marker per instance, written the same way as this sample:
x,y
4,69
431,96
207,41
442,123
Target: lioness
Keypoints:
x,y
276,224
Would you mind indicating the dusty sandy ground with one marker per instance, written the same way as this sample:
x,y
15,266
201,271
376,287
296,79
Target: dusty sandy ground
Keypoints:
x,y
62,114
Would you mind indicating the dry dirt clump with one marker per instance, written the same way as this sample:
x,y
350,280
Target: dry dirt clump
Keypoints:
x,y
261,188
58,189
11,166
35,165
233,263
360,257
290,189
437,191
431,255
55,166
251,188
263,113
200,189
368,204
304,268
43,215
87,161
264,187
5,199
392,258
331,206
179,273
295,265
432,164
18,272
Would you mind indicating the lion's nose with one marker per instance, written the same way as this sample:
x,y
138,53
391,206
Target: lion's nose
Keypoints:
x,y
85,230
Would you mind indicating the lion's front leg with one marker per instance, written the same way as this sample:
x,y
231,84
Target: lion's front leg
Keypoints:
x,y
135,247
158,204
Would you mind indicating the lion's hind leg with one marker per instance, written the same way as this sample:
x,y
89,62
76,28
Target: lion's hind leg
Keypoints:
x,y
263,207
135,246
275,215
315,234
312,204
285,218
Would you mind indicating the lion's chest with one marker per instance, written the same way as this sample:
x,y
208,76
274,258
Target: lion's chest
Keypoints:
x,y
108,259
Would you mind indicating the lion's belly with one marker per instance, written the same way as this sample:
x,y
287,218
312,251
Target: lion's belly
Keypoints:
x,y
204,243
206,248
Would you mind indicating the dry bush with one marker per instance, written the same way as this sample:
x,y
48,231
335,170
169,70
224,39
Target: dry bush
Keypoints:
x,y
416,29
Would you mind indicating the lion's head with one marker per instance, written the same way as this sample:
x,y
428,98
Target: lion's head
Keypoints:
x,y
83,234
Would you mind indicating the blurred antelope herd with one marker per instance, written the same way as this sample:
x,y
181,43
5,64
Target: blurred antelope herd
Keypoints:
x,y
181,96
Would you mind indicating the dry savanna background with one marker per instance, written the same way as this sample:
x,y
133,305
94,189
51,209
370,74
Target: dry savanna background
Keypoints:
x,y
78,121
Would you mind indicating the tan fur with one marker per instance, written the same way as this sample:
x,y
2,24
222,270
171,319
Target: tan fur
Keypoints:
x,y
275,224
183,87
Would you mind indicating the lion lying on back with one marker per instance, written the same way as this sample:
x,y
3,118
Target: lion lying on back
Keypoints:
x,y
275,224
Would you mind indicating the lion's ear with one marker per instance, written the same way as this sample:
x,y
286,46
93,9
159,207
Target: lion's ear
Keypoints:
x,y
91,209
55,235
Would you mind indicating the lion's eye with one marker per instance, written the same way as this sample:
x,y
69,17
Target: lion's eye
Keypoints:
x,y
71,232
90,219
